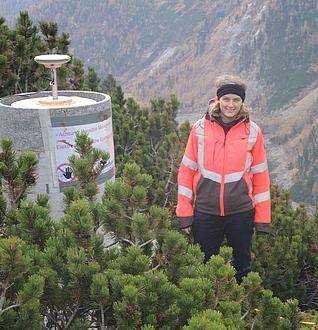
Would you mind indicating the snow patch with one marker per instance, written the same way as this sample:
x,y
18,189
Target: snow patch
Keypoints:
x,y
239,27
259,15
165,55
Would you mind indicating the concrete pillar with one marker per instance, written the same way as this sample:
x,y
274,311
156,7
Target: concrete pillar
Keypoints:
x,y
48,131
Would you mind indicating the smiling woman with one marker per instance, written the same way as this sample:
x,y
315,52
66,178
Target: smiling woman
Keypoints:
x,y
230,106
224,171
230,87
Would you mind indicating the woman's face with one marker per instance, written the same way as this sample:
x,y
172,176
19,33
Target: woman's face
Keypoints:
x,y
230,105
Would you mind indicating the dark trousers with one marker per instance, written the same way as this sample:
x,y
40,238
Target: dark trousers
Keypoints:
x,y
209,230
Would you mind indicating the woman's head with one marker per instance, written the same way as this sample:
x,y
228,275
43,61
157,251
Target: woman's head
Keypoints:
x,y
231,97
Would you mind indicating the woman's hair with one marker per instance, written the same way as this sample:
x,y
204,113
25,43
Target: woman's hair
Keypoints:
x,y
214,109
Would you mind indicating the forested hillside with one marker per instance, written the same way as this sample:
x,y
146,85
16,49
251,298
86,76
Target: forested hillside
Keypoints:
x,y
157,48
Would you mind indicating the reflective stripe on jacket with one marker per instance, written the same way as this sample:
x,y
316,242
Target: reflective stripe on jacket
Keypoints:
x,y
223,174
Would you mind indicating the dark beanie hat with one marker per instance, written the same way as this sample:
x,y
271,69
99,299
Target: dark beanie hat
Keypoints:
x,y
231,89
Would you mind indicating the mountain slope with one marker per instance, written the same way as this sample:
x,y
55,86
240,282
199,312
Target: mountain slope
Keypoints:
x,y
161,47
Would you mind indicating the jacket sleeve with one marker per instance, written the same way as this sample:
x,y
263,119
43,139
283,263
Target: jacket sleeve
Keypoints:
x,y
261,185
187,170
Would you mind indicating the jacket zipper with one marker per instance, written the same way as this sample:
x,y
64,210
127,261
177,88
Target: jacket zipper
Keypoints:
x,y
222,213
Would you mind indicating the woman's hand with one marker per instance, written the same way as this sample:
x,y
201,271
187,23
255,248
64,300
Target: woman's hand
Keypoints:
x,y
187,230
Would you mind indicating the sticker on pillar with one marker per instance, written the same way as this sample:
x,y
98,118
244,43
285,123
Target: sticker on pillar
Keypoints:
x,y
102,135
65,173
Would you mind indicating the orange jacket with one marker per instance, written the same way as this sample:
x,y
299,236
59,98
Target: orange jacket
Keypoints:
x,y
223,174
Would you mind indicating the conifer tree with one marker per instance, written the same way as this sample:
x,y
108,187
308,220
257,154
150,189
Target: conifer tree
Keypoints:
x,y
77,79
19,73
166,149
286,259
65,276
7,77
73,263
25,226
151,138
87,165
55,45
18,173
108,85
92,79
118,96
50,33
26,45
20,287
126,213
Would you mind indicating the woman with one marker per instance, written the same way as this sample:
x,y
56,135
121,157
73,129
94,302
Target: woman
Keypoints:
x,y
223,180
